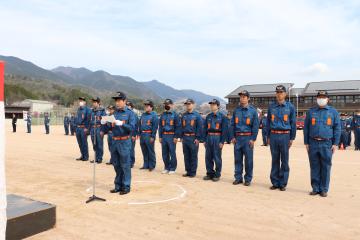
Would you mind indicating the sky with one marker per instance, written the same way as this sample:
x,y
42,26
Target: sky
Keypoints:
x,y
206,45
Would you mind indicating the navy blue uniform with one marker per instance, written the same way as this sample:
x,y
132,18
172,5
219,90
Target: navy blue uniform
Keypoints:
x,y
355,125
95,128
192,126
321,132
264,130
66,124
215,131
344,138
121,147
281,128
169,129
148,127
28,123
134,134
72,125
47,124
245,127
82,122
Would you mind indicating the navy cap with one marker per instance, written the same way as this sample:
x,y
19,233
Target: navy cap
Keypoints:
x,y
120,95
245,93
149,102
215,101
82,98
168,101
111,107
97,99
189,101
280,88
322,93
129,103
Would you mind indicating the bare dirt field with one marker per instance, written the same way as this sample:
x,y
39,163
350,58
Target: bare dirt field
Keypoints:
x,y
43,167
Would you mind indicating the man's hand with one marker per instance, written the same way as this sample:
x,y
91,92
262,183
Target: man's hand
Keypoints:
x,y
233,141
133,138
86,130
175,140
160,140
268,141
221,145
290,143
307,147
197,142
333,148
152,140
103,121
251,143
102,134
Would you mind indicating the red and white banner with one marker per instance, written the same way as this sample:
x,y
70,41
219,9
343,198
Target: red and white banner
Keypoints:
x,y
2,155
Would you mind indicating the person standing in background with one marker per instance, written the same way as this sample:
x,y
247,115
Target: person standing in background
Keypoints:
x,y
14,122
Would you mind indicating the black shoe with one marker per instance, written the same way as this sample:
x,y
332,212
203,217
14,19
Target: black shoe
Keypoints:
x,y
185,175
237,182
247,184
143,168
124,192
85,160
323,194
79,159
108,163
273,188
151,169
114,190
282,189
215,179
98,162
207,177
313,193
191,176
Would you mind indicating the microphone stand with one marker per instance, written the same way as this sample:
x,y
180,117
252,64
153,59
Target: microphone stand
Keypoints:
x,y
94,197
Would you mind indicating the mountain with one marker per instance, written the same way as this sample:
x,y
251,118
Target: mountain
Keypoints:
x,y
165,91
62,80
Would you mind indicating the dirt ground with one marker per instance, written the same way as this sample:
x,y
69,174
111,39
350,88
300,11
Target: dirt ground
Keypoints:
x,y
43,167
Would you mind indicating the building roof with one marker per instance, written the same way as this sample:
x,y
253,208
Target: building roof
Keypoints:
x,y
37,101
258,89
333,87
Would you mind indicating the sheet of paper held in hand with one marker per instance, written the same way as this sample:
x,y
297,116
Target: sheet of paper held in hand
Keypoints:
x,y
110,119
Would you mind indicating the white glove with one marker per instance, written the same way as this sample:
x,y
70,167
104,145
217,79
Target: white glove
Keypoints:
x,y
119,123
103,121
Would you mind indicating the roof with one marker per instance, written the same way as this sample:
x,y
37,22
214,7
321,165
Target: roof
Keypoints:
x,y
333,87
36,101
258,89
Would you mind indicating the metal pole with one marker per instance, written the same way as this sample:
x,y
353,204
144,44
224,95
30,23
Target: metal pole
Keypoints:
x,y
297,104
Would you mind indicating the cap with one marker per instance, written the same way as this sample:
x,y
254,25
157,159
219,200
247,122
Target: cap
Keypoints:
x,y
120,95
322,93
111,107
149,102
215,101
245,93
168,101
189,101
82,98
129,103
97,99
280,88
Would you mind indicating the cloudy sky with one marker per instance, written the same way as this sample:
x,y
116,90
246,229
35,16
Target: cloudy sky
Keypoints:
x,y
207,45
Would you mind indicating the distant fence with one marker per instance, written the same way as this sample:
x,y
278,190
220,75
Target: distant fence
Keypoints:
x,y
56,115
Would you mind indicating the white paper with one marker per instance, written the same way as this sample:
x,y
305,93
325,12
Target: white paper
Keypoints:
x,y
110,119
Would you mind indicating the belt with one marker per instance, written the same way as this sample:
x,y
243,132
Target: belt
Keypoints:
x,y
146,131
81,126
189,134
168,133
214,133
121,138
280,131
320,139
243,134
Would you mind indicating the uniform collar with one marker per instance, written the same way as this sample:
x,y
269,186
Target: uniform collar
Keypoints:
x,y
242,107
281,104
325,107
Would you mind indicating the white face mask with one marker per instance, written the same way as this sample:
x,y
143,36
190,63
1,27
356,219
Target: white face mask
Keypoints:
x,y
107,112
81,104
321,101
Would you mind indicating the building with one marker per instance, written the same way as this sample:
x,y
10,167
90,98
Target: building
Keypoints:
x,y
37,106
344,95
17,110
